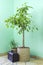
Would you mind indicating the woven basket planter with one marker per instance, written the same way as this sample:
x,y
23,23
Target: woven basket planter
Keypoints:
x,y
24,53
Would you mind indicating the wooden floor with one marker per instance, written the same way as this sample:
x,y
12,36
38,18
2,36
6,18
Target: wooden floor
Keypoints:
x,y
5,61
38,61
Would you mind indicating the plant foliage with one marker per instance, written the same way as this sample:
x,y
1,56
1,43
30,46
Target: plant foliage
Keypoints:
x,y
13,44
22,19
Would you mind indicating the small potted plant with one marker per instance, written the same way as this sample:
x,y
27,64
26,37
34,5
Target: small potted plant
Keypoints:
x,y
22,20
13,46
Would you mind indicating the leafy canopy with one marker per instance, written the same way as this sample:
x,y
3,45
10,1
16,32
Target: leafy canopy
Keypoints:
x,y
22,19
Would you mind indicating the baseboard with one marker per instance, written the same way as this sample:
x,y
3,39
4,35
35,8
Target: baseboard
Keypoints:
x,y
3,54
35,57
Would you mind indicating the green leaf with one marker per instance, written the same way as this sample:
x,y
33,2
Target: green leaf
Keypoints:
x,y
36,28
7,25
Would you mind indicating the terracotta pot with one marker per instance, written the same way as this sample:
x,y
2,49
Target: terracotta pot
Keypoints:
x,y
24,53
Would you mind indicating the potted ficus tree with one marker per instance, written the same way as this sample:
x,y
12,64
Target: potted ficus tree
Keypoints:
x,y
22,20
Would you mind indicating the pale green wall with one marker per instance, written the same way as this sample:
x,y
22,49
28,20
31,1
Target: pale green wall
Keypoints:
x,y
6,35
34,40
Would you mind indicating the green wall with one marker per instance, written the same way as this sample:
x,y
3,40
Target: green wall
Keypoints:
x,y
34,40
6,35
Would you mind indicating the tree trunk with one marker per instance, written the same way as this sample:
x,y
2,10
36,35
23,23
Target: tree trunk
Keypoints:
x,y
23,39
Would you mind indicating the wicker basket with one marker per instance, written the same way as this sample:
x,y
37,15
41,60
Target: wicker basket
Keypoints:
x,y
24,53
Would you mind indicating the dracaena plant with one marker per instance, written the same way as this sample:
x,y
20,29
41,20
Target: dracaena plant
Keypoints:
x,y
13,44
22,19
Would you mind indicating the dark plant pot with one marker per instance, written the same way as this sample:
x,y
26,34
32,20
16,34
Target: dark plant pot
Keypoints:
x,y
24,53
14,49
